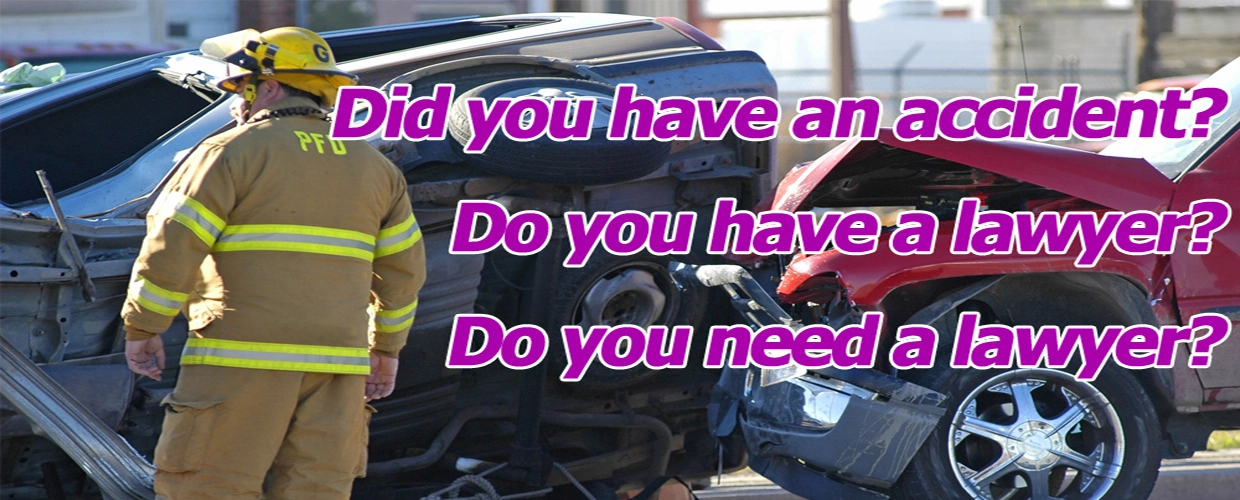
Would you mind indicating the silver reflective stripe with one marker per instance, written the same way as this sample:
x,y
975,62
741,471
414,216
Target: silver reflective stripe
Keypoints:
x,y
281,357
297,238
204,223
380,320
399,237
169,303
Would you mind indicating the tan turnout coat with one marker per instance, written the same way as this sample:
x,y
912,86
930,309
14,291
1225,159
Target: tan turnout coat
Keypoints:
x,y
286,250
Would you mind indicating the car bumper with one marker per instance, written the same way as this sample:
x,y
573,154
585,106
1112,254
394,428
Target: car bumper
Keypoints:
x,y
831,434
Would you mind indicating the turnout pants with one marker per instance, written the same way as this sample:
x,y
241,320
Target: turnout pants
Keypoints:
x,y
228,432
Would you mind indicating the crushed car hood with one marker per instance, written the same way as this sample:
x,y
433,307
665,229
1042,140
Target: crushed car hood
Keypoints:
x,y
1120,183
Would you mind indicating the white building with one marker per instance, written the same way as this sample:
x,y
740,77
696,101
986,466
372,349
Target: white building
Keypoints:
x,y
140,22
888,36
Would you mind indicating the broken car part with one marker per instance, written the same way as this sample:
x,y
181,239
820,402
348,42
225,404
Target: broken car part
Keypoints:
x,y
88,287
110,461
807,432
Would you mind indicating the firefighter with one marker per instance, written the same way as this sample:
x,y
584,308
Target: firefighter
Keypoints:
x,y
297,261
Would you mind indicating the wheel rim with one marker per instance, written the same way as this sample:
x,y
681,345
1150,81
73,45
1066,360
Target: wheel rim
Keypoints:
x,y
629,296
602,107
1036,434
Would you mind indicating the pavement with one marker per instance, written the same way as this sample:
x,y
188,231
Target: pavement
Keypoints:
x,y
1210,475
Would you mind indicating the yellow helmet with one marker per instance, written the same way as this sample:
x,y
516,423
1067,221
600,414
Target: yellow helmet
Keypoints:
x,y
294,56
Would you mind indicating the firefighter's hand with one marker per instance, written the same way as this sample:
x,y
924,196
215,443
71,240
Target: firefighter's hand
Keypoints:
x,y
382,379
146,357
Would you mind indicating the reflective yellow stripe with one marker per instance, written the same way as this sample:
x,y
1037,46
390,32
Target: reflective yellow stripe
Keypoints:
x,y
202,233
396,313
391,321
398,229
166,311
161,292
274,356
398,237
288,366
156,298
194,216
244,345
295,238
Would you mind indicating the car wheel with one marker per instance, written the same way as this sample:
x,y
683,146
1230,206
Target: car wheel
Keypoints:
x,y
1037,434
621,290
593,161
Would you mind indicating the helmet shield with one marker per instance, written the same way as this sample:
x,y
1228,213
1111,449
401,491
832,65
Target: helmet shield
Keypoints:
x,y
231,48
293,56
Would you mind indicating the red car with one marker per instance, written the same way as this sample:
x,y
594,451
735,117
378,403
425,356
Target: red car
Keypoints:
x,y
1024,433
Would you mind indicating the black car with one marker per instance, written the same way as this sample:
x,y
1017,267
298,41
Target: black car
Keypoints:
x,y
108,140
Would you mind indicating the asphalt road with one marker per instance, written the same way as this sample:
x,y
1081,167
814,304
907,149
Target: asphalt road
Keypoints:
x,y
1207,476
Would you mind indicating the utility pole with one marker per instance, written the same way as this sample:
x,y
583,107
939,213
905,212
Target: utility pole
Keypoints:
x,y
1154,17
842,66
303,13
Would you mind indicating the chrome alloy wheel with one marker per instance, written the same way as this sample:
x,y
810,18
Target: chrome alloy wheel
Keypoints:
x,y
1036,434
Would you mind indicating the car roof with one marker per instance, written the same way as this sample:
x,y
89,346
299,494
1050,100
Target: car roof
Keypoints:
x,y
361,49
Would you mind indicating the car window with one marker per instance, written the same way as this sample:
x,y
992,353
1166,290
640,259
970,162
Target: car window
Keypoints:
x,y
87,138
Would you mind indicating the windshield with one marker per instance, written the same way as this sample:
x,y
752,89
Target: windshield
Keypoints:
x,y
1173,157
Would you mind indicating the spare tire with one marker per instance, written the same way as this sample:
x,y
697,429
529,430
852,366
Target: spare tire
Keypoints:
x,y
596,160
613,290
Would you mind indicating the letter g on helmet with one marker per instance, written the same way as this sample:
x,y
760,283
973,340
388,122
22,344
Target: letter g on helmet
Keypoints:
x,y
322,53
294,56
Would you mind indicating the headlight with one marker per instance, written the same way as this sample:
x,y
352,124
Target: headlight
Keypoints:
x,y
823,401
772,376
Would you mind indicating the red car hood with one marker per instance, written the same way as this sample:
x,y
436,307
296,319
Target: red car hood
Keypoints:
x,y
1126,184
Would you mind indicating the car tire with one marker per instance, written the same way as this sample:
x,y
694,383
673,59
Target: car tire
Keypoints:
x,y
620,290
1118,423
578,162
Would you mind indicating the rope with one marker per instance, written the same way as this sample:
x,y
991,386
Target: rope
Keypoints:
x,y
488,490
478,481
573,480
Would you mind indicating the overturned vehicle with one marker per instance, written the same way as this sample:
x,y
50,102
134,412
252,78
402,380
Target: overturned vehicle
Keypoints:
x,y
1027,433
76,423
